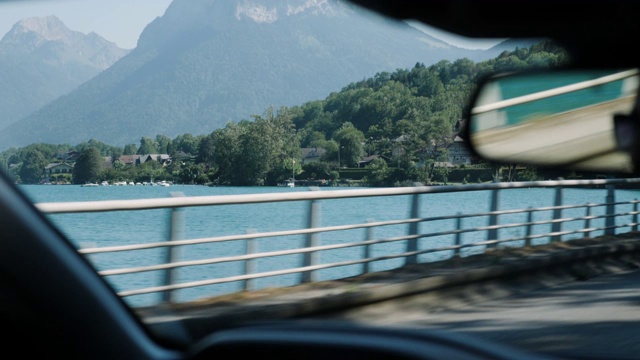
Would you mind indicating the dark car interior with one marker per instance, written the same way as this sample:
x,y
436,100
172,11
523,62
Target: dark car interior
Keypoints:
x,y
590,30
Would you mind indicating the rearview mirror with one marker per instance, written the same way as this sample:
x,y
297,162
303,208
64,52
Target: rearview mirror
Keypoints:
x,y
582,120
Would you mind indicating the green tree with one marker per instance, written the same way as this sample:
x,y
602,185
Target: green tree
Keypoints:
x,y
105,150
32,168
49,151
312,138
350,144
186,143
147,146
111,175
206,150
88,166
260,148
118,165
192,174
130,149
440,174
378,173
285,147
315,170
258,152
163,144
227,154
116,152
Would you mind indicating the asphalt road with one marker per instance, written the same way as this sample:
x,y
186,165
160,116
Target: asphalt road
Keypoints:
x,y
595,318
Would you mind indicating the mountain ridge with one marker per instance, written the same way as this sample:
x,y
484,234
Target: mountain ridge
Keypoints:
x,y
277,53
41,59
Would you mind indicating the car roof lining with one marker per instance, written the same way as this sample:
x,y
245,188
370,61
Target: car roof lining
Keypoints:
x,y
590,31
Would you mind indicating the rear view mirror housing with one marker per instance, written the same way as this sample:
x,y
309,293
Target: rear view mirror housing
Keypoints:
x,y
583,120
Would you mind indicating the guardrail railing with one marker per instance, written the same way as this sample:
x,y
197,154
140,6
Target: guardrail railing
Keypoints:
x,y
414,244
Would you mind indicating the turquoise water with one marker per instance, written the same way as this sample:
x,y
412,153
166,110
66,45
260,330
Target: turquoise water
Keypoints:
x,y
134,227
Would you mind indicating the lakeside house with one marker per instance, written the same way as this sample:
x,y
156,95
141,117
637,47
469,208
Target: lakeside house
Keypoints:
x,y
367,160
182,157
310,155
458,152
164,159
107,162
132,160
68,156
135,160
57,169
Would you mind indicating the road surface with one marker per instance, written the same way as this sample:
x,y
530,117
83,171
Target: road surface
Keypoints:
x,y
595,318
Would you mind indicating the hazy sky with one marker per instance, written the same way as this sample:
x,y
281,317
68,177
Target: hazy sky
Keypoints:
x,y
122,21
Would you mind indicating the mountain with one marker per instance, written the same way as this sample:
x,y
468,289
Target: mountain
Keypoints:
x,y
511,44
41,59
207,62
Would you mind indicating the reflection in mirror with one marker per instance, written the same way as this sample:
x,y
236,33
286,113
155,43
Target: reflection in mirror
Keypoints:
x,y
557,118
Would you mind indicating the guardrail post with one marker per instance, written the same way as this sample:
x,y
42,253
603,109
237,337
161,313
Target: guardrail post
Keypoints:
x,y
368,235
587,221
458,239
176,227
527,236
313,239
251,247
635,215
412,244
557,214
610,221
492,234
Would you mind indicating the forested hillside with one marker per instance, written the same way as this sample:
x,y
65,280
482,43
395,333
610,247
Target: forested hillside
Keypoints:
x,y
419,106
415,110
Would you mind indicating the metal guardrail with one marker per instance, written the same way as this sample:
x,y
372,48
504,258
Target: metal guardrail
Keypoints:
x,y
309,264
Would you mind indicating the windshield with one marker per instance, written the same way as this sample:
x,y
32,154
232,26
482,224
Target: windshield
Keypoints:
x,y
244,160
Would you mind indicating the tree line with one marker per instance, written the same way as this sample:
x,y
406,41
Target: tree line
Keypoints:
x,y
409,115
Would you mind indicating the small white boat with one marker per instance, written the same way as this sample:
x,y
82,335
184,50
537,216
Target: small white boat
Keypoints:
x,y
89,185
104,183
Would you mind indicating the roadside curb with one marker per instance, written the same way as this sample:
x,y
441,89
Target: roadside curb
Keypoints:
x,y
577,263
540,270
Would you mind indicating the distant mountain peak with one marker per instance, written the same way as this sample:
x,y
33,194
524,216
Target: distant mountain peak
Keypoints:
x,y
49,28
44,25
256,12
316,7
41,59
54,41
269,12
